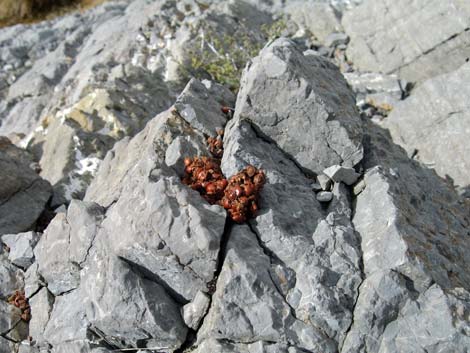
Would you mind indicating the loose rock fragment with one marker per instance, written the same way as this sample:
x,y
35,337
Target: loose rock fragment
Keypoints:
x,y
342,174
324,181
325,196
194,312
21,248
335,39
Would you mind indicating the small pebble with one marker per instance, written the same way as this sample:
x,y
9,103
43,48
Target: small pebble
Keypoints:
x,y
324,196
359,187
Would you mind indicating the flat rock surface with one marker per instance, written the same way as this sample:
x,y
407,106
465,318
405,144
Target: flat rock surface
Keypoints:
x,y
434,124
416,40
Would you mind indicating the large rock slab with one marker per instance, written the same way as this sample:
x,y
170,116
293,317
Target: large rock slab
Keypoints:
x,y
23,195
417,40
303,104
141,242
129,309
311,255
248,306
433,124
414,232
64,246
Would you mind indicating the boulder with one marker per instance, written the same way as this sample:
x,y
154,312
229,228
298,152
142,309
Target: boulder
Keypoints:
x,y
414,40
341,174
302,242
433,125
129,309
303,104
23,195
123,247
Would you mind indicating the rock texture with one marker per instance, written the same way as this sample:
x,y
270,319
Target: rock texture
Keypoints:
x,y
439,107
414,234
23,194
303,104
356,247
417,40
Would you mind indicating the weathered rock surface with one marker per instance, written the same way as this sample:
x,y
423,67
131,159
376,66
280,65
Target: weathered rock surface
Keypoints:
x,y
355,248
23,195
11,277
434,124
21,248
416,40
319,18
121,264
414,233
303,104
376,89
312,257
41,306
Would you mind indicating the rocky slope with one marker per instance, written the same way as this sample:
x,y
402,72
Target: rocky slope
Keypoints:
x,y
361,240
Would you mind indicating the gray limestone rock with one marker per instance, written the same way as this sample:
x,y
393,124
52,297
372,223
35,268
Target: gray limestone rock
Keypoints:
x,y
32,280
303,104
436,322
52,255
298,235
435,121
379,90
129,309
416,40
410,221
9,317
67,321
325,181
382,295
23,195
41,306
21,248
324,196
413,229
341,174
197,106
319,18
335,39
64,246
11,278
247,306
194,311
178,245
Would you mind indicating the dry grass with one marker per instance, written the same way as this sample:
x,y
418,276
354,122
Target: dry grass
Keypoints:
x,y
30,11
